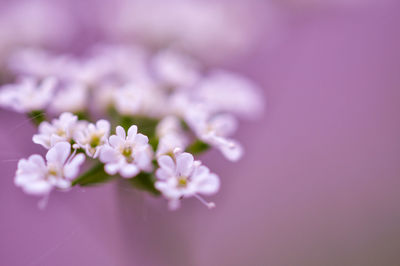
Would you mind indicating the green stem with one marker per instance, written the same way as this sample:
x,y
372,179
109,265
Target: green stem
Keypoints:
x,y
197,147
93,176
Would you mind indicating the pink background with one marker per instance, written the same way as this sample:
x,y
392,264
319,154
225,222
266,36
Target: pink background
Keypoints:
x,y
319,184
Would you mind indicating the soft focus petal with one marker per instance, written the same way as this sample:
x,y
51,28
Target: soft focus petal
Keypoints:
x,y
59,153
184,163
129,170
108,154
71,169
132,131
121,132
167,163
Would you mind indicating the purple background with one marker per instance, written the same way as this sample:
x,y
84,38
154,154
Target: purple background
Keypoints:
x,y
319,184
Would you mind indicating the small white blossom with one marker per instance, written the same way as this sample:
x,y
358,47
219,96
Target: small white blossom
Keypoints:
x,y
72,98
181,176
139,99
223,91
215,131
171,136
28,95
127,154
37,177
61,129
93,137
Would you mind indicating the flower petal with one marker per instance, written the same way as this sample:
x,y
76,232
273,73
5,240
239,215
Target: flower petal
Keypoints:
x,y
108,155
121,132
116,141
59,153
184,163
132,131
209,185
129,170
71,169
167,163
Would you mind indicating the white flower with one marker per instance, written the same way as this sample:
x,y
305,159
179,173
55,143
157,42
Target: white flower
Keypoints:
x,y
71,98
215,130
228,92
171,136
37,177
139,99
28,95
175,70
61,129
167,144
127,155
183,177
93,137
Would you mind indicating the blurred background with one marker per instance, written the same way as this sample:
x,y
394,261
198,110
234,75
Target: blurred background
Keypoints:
x,y
319,184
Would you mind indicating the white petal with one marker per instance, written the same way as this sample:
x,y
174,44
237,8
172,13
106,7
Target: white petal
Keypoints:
x,y
184,163
38,160
209,185
71,169
162,174
112,168
103,125
41,140
143,160
132,131
141,139
108,154
167,163
37,188
233,151
224,124
59,153
121,132
129,170
116,141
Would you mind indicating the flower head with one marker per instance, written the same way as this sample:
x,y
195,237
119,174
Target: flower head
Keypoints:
x,y
28,94
127,154
61,129
71,98
223,91
93,137
215,131
38,177
181,176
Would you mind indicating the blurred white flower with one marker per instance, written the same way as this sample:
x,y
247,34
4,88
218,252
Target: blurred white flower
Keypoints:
x,y
182,177
215,131
71,98
127,154
93,137
224,91
175,70
37,177
28,94
171,136
59,130
139,99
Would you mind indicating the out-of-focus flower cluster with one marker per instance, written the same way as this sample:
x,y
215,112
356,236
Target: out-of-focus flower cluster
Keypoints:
x,y
131,113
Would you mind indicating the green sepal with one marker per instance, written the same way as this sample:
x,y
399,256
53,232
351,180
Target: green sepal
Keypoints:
x,y
94,176
198,147
145,181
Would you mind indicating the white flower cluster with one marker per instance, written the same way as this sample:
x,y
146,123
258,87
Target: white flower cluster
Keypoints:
x,y
180,108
